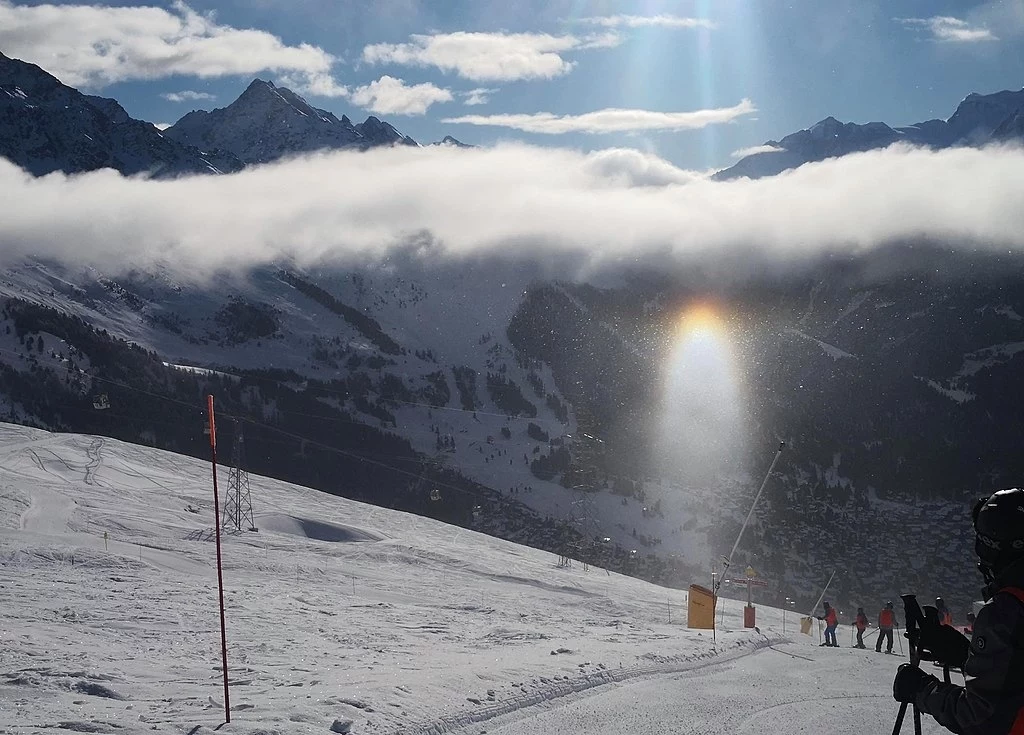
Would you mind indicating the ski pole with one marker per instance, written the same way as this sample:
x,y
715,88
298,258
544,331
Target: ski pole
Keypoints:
x,y
914,617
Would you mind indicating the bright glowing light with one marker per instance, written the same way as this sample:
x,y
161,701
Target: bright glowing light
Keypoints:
x,y
702,429
700,321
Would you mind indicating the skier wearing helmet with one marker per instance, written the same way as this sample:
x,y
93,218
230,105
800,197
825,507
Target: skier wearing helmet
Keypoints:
x,y
991,702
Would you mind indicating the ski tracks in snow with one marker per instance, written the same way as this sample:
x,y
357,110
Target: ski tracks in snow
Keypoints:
x,y
842,692
591,684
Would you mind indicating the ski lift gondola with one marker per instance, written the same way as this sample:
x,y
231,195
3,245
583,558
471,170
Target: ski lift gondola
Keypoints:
x,y
435,494
101,402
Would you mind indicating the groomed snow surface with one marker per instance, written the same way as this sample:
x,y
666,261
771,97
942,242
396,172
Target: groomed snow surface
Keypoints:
x,y
345,616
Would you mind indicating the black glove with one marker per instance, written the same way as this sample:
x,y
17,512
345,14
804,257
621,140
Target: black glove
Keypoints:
x,y
946,645
909,682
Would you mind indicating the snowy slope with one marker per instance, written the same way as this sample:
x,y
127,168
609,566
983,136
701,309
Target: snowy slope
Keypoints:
x,y
456,316
336,610
444,317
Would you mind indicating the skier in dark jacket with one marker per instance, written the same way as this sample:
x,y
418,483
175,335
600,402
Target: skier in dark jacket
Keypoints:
x,y
991,702
862,624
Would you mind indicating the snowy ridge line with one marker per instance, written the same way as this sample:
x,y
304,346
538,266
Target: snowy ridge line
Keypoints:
x,y
558,689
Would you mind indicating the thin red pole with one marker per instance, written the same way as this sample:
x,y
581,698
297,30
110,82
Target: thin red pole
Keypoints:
x,y
220,573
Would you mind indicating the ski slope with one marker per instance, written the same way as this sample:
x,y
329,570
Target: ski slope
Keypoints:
x,y
345,615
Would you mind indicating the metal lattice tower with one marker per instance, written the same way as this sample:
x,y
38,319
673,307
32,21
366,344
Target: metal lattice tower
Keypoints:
x,y
238,508
585,520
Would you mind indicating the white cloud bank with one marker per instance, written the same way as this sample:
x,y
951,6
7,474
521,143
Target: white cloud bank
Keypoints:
x,y
755,149
950,30
188,95
611,120
390,96
481,57
648,21
478,96
582,211
96,45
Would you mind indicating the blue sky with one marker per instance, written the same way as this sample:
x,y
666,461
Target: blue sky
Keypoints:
x,y
696,79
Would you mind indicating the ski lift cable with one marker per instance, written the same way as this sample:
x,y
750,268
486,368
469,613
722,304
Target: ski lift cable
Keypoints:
x,y
499,499
323,389
260,424
496,500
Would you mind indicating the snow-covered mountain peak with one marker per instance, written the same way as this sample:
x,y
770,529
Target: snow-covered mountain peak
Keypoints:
x,y
263,97
827,138
46,126
829,127
449,140
268,122
378,132
975,122
979,116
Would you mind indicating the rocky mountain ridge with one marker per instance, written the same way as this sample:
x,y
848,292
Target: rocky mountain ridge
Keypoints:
x,y
46,126
979,119
267,123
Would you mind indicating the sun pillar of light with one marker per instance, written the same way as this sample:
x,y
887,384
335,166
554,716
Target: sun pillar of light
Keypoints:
x,y
702,427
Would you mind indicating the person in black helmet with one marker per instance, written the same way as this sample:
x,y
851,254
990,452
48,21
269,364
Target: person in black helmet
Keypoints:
x,y
991,702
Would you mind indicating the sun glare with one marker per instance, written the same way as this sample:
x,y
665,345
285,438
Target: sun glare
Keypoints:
x,y
702,408
701,320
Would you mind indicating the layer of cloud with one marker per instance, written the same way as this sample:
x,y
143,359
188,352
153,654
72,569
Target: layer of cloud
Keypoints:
x,y
96,45
949,29
755,149
648,21
482,57
478,96
611,120
391,96
320,85
583,212
630,167
188,95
